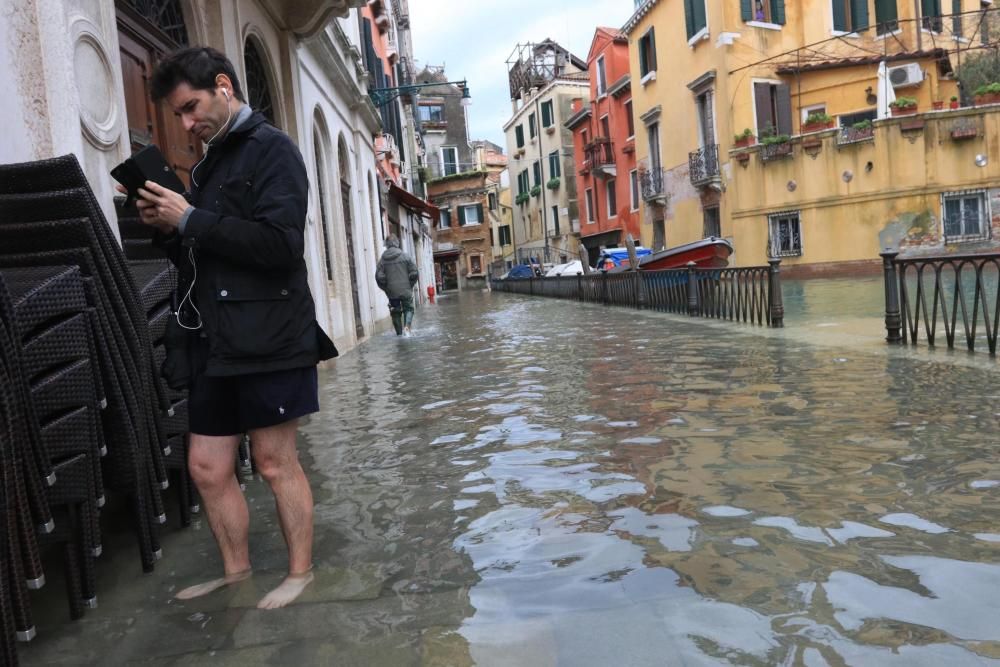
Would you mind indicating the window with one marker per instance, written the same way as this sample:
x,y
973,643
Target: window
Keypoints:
x,y
931,11
785,234
965,217
886,17
475,264
471,214
555,221
712,222
629,119
706,122
773,103
532,129
653,131
504,233
449,160
849,119
612,199
523,184
850,15
590,205
634,183
585,136
602,81
809,110
519,135
694,17
956,21
548,119
554,170
605,127
537,169
445,220
492,199
647,54
763,11
431,113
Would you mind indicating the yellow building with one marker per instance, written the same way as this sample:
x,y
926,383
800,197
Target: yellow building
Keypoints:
x,y
825,196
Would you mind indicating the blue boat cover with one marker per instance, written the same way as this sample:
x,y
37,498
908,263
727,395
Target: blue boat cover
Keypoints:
x,y
619,255
521,271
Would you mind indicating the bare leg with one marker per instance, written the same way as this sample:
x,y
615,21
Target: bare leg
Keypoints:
x,y
211,461
278,463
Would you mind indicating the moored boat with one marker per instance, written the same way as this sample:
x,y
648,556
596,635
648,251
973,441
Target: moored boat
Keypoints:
x,y
708,253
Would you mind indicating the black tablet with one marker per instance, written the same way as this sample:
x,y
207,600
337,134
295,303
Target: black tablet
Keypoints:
x,y
146,165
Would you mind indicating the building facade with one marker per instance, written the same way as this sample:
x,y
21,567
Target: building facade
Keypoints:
x,y
545,82
711,76
607,179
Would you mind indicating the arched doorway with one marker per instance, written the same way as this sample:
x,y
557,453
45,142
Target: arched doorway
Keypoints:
x,y
344,164
321,151
258,78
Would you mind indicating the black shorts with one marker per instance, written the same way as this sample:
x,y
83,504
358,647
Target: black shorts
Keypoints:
x,y
234,405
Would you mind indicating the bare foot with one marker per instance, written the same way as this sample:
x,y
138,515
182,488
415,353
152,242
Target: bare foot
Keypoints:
x,y
198,590
287,591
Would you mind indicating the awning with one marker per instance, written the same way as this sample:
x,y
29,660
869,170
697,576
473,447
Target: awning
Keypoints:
x,y
614,237
447,254
413,202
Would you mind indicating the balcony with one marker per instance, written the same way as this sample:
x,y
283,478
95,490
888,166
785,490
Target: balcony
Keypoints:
x,y
703,165
600,155
653,183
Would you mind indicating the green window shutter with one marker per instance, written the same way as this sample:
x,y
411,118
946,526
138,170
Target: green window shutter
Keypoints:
x,y
643,65
546,114
746,10
461,216
778,12
700,18
519,133
956,21
859,15
652,49
689,18
885,11
479,210
931,7
839,16
538,172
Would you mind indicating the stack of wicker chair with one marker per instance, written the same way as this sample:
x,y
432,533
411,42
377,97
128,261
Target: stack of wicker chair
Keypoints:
x,y
82,407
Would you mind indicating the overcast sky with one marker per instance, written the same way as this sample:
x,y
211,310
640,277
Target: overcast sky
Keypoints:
x,y
473,39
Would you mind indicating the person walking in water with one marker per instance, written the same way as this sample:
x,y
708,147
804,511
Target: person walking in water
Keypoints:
x,y
396,275
253,340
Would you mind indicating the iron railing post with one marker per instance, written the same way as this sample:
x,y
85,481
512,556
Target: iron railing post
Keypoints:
x,y
893,320
692,290
604,288
531,285
776,305
640,290
579,287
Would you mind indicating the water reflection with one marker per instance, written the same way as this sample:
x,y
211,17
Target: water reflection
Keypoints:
x,y
709,496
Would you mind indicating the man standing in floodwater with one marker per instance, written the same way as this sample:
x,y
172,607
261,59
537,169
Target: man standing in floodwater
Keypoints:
x,y
247,314
396,275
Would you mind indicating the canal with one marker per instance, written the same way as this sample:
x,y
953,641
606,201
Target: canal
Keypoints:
x,y
540,482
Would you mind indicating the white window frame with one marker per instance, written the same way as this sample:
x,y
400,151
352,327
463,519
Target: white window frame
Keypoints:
x,y
609,192
602,77
589,201
445,162
475,208
809,109
772,249
634,190
985,217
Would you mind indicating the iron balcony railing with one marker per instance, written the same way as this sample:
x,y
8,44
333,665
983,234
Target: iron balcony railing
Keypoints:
x,y
703,164
653,183
853,135
599,152
778,151
750,295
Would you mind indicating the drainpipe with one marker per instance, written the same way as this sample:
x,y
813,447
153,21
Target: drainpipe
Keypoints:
x,y
541,172
919,25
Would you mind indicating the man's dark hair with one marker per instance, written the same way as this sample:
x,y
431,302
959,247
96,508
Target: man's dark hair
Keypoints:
x,y
196,66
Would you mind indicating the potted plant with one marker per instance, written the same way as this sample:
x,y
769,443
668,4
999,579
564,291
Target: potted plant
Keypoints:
x,y
903,106
535,191
553,183
937,105
953,104
521,198
816,121
776,145
744,138
988,93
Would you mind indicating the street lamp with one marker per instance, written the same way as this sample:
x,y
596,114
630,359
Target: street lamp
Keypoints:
x,y
382,96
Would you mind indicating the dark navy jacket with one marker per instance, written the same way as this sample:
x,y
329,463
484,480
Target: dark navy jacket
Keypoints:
x,y
247,234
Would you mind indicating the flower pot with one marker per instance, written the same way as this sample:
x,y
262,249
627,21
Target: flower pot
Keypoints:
x,y
938,106
903,111
550,130
953,105
745,141
816,127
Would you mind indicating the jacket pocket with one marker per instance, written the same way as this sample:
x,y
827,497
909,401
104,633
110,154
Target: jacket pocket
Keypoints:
x,y
255,317
236,195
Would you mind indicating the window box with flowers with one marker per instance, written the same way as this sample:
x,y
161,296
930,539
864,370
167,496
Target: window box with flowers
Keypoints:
x,y
816,122
522,198
775,147
553,183
903,106
744,138
988,94
535,191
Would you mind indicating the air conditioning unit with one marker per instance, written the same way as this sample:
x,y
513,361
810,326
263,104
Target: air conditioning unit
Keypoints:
x,y
906,75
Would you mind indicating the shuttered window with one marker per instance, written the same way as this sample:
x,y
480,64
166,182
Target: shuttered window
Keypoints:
x,y
554,170
547,118
694,16
537,169
850,15
519,135
886,16
470,215
764,11
931,11
532,128
773,103
647,53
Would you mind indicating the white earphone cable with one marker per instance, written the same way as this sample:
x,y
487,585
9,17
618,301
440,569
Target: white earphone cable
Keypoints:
x,y
187,298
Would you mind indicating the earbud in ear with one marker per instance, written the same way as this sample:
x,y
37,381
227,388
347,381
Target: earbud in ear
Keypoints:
x,y
226,93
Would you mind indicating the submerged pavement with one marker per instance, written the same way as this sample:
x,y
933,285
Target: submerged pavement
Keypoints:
x,y
539,482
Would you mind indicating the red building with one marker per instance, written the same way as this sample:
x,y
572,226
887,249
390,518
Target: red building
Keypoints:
x,y
607,179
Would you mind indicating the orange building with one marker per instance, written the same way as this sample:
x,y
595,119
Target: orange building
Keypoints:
x,y
607,179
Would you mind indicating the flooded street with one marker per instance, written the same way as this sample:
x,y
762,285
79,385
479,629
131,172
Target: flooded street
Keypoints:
x,y
537,482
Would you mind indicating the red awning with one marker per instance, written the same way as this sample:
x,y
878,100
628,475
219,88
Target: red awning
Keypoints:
x,y
413,202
